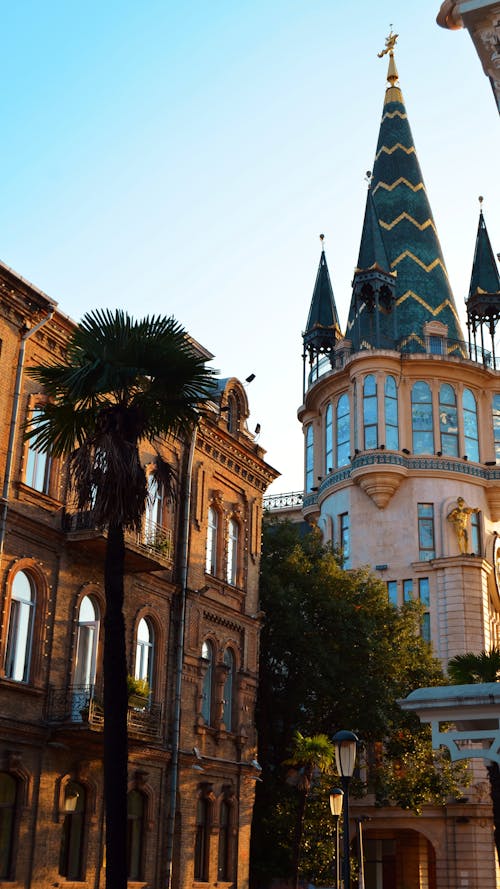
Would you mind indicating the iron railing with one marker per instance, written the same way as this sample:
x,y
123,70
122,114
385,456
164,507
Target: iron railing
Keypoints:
x,y
153,538
283,501
82,705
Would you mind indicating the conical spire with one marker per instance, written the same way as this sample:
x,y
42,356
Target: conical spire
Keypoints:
x,y
322,329
407,231
484,277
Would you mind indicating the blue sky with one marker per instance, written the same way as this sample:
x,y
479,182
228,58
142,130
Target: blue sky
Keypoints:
x,y
183,158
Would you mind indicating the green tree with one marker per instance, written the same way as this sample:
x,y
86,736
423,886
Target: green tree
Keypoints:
x,y
469,669
336,654
308,757
123,382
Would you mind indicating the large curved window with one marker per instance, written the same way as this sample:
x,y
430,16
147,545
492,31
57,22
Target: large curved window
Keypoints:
x,y
370,433
391,414
227,713
8,801
207,654
38,462
71,863
448,420
343,430
144,652
20,635
211,550
135,835
309,458
421,418
471,437
328,439
153,517
87,639
232,552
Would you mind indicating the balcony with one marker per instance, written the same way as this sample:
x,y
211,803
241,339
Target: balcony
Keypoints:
x,y
444,348
80,707
150,550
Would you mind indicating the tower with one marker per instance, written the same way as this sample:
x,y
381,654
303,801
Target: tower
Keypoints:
x,y
402,430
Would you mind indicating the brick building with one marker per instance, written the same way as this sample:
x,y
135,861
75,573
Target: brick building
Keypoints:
x,y
192,624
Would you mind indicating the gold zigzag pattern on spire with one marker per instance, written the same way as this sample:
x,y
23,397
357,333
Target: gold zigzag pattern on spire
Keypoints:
x,y
400,181
394,148
426,268
389,115
412,338
421,226
447,303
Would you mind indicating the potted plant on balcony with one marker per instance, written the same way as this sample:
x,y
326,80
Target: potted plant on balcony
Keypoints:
x,y
138,692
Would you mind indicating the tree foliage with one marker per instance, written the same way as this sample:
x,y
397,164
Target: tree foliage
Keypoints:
x,y
336,654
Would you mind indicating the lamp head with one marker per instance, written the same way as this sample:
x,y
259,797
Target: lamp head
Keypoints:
x,y
345,752
336,801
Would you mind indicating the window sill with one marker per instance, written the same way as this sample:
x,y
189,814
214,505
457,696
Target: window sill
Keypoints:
x,y
38,498
27,689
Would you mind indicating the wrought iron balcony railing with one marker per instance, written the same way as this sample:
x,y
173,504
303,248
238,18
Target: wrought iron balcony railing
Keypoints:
x,y
82,705
153,538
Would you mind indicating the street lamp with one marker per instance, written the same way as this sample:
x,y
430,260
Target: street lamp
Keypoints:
x,y
336,798
345,757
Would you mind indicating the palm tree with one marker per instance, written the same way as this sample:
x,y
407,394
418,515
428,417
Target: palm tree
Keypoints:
x,y
469,669
308,756
123,382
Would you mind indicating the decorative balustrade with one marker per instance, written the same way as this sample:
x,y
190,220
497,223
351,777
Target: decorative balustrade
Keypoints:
x,y
283,501
82,705
153,538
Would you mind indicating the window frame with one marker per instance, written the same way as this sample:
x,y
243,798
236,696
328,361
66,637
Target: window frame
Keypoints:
x,y
425,415
370,422
342,445
13,644
74,822
448,409
208,681
469,414
391,398
425,521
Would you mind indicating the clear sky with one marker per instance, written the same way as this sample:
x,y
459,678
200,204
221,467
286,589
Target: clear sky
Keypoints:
x,y
183,158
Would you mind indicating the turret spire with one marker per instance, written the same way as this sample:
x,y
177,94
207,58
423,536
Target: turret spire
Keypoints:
x,y
401,220
323,328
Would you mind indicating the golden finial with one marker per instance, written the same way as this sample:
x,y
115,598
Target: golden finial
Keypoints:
x,y
390,43
322,238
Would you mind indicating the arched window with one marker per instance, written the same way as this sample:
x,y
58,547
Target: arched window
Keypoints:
x,y
38,462
135,835
421,418
391,414
202,840
448,420
211,551
496,426
20,635
144,652
227,713
328,439
207,653
224,869
153,518
87,639
471,437
343,430
232,552
8,803
309,458
232,413
370,427
71,864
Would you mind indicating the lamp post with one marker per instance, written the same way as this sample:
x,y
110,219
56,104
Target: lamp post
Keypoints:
x,y
345,757
336,798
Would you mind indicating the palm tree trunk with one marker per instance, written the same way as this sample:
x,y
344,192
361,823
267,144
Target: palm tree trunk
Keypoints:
x,y
494,776
115,713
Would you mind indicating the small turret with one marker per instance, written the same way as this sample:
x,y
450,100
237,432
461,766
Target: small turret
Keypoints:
x,y
322,329
483,302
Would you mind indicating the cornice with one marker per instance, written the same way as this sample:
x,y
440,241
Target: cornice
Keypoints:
x,y
230,455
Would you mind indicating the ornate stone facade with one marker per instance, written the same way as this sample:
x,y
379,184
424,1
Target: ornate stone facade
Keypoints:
x,y
52,605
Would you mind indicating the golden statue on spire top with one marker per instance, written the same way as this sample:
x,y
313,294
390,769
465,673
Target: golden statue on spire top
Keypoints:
x,y
390,43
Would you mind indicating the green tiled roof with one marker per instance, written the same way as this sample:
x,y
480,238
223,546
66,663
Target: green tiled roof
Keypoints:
x,y
322,323
485,277
408,235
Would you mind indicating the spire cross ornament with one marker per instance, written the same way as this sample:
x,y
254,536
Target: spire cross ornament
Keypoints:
x,y
390,43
